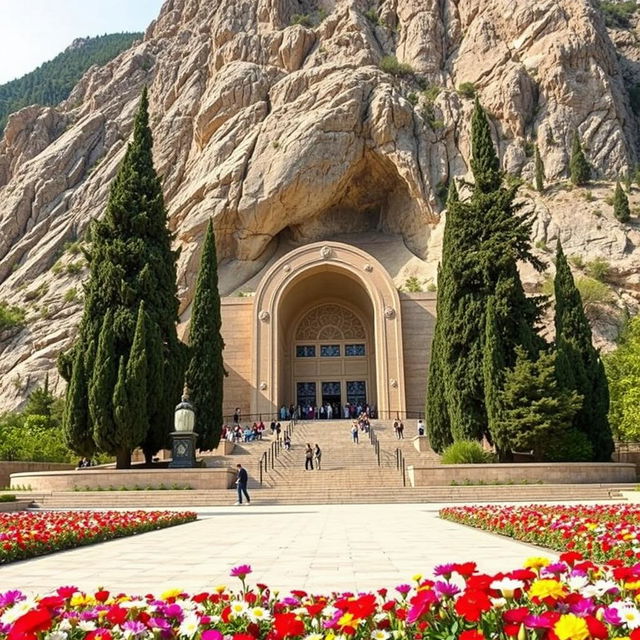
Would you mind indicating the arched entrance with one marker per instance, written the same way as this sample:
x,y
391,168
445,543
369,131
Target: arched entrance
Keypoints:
x,y
327,326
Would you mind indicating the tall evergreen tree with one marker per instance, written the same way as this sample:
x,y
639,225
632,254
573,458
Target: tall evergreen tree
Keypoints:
x,y
76,429
484,239
621,204
131,260
205,374
578,365
580,171
539,169
41,401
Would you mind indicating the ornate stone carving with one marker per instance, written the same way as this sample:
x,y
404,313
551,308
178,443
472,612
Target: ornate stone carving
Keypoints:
x,y
330,322
368,267
394,383
389,312
326,252
264,316
286,268
263,385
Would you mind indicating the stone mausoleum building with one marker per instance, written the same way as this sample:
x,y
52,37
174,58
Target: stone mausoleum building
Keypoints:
x,y
327,322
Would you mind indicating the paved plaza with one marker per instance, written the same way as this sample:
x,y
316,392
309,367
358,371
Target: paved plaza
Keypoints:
x,y
318,548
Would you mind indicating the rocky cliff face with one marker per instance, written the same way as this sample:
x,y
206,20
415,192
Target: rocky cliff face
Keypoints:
x,y
287,133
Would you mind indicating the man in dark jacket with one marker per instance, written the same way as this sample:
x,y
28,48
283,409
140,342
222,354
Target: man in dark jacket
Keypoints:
x,y
241,481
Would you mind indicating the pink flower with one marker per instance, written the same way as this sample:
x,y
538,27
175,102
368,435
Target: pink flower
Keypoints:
x,y
211,634
241,571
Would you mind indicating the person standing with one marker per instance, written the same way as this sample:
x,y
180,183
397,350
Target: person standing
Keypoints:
x,y
241,481
308,458
354,432
420,427
236,416
317,454
401,430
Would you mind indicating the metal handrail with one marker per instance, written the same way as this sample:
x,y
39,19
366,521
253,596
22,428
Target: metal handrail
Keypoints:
x,y
401,466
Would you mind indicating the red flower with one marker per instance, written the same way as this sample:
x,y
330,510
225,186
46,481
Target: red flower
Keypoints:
x,y
465,569
420,604
27,626
314,609
116,615
472,604
99,634
471,634
570,557
102,596
515,616
597,629
287,625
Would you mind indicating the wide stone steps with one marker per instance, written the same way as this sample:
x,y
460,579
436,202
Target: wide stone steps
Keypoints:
x,y
328,495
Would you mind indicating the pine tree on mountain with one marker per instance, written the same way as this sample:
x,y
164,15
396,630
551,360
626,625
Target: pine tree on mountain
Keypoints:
x,y
621,204
579,366
580,171
40,401
539,170
205,375
131,260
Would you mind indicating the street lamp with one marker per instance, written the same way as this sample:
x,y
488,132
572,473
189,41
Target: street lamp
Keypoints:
x,y
183,438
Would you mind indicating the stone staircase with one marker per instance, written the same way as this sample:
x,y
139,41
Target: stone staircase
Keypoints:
x,y
350,474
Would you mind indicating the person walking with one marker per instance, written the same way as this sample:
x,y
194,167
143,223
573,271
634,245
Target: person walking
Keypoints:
x,y
401,431
308,458
354,432
241,481
420,427
317,454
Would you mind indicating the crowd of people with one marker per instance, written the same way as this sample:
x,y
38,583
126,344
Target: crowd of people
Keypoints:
x,y
326,411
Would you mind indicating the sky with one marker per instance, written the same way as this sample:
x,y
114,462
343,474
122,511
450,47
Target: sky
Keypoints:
x,y
34,31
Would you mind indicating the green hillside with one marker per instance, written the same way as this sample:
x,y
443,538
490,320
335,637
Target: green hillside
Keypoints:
x,y
53,81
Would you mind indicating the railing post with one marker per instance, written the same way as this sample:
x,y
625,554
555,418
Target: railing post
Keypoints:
x,y
404,476
260,471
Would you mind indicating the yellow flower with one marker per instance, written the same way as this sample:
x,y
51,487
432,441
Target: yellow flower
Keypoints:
x,y
81,599
547,589
417,577
570,627
346,620
221,588
536,563
170,593
633,586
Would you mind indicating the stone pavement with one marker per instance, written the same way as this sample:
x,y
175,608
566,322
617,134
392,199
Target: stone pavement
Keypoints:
x,y
318,548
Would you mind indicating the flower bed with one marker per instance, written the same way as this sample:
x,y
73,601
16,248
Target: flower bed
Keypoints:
x,y
27,534
600,532
567,600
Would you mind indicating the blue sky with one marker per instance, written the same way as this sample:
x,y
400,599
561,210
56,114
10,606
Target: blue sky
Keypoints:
x,y
34,31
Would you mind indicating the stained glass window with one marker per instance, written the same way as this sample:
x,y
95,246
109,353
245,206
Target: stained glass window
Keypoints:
x,y
305,351
330,389
357,392
329,350
306,393
354,350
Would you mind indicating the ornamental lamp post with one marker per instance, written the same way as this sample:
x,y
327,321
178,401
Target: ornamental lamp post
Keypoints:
x,y
183,438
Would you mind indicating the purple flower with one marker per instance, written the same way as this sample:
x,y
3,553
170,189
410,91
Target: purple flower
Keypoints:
x,y
584,607
444,569
241,571
174,611
211,634
11,597
554,568
403,589
290,601
612,616
446,588
134,627
159,623
537,622
90,614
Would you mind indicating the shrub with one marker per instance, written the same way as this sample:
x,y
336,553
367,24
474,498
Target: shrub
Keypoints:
x,y
71,295
11,316
465,452
303,19
390,64
577,261
588,196
569,446
372,16
7,497
36,294
74,268
598,269
74,248
412,285
467,90
616,14
431,93
412,98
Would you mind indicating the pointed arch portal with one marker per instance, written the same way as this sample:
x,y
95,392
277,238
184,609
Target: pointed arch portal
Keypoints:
x,y
327,325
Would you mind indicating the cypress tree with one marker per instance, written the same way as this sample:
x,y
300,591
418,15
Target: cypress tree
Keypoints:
x,y
579,168
205,374
131,260
75,423
621,204
484,160
539,168
579,366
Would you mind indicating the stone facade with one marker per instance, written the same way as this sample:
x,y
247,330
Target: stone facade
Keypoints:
x,y
326,322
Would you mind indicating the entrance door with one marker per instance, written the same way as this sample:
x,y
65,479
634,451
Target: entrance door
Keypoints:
x,y
331,396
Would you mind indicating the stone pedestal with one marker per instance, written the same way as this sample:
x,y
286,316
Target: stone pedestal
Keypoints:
x,y
183,449
421,443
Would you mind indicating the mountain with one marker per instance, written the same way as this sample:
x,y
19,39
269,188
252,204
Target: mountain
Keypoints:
x,y
53,81
287,121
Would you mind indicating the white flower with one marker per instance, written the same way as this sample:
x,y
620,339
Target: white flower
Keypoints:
x,y
507,586
628,613
576,583
329,611
299,611
238,608
65,625
314,636
132,604
499,603
589,591
604,586
381,615
17,610
87,625
257,614
189,626
57,635
380,634
215,619
186,605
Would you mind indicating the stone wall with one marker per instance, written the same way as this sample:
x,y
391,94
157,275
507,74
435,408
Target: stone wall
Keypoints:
x,y
7,468
237,315
221,478
528,473
418,324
